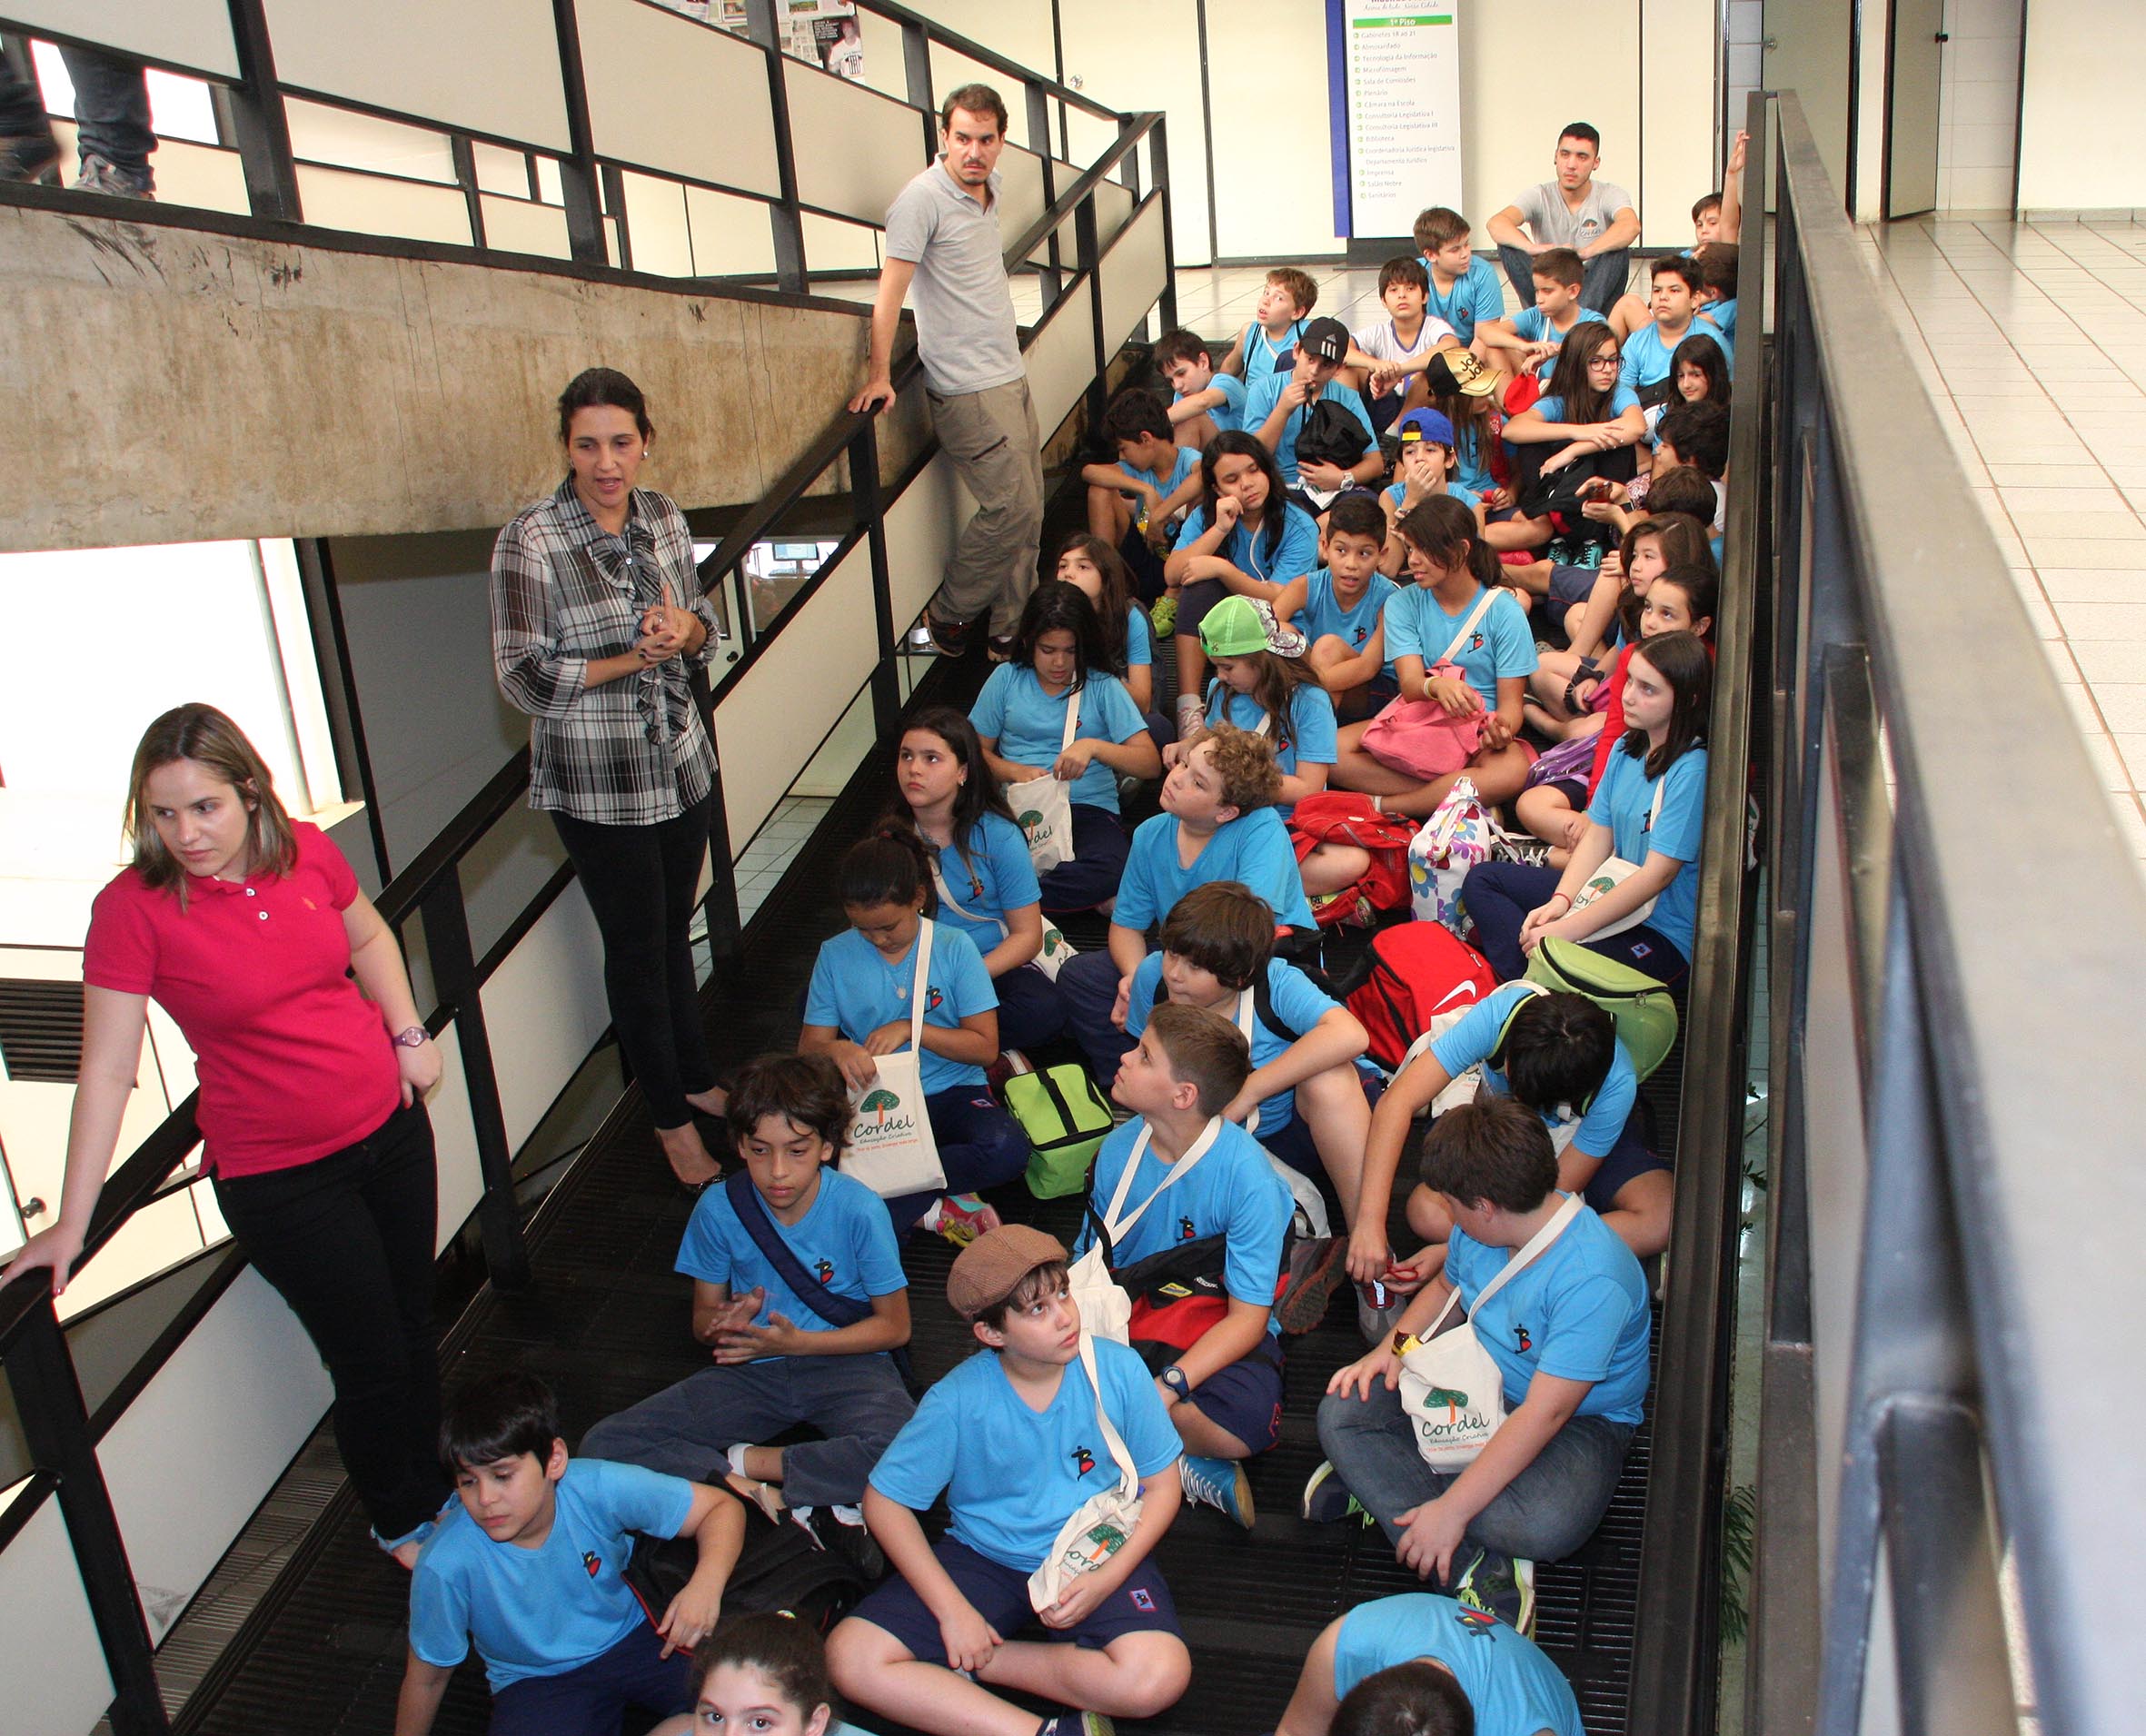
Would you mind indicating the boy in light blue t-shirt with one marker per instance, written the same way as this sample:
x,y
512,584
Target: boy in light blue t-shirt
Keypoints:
x,y
1153,481
1279,408
1012,1439
785,1352
1204,403
1340,607
530,1565
1419,1662
1532,338
1464,290
1673,299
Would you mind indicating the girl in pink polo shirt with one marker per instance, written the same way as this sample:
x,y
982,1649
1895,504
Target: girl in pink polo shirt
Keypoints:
x,y
242,925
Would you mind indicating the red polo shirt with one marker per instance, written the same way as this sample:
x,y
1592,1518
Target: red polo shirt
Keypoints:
x,y
293,1062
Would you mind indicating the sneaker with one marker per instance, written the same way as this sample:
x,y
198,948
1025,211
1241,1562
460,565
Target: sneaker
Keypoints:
x,y
1498,1585
1162,615
1327,1502
949,638
1076,1723
30,157
1304,1304
1374,1322
1219,1483
100,175
962,1218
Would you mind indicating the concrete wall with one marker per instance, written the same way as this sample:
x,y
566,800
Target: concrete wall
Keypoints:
x,y
2085,67
186,385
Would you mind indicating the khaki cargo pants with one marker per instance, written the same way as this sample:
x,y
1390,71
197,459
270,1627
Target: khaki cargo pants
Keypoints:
x,y
992,438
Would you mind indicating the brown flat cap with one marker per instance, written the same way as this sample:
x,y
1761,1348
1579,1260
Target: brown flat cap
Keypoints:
x,y
990,1268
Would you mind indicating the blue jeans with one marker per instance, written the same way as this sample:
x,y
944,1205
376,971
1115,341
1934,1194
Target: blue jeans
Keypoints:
x,y
858,1403
112,113
1543,1515
1499,895
1030,1010
1604,280
1089,875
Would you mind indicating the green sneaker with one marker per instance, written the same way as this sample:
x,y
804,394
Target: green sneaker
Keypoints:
x,y
1162,615
1498,1585
1219,1483
1326,1502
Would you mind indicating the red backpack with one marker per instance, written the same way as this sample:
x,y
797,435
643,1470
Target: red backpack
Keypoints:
x,y
1419,970
1342,817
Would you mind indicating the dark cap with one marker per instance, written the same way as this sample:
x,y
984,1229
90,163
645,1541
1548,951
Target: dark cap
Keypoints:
x,y
1326,340
1455,370
990,1268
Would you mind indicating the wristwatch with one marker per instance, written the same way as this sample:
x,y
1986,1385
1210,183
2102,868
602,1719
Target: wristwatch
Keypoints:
x,y
415,1038
1174,1378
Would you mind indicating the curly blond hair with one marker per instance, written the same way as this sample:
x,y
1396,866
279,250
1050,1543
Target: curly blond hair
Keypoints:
x,y
1244,763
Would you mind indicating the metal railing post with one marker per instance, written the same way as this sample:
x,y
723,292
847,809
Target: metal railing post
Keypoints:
x,y
1158,164
916,68
577,169
1089,255
784,218
864,495
258,123
454,979
56,1427
1039,107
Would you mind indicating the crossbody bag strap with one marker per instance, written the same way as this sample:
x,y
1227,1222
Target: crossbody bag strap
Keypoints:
x,y
1072,728
919,985
1534,1245
1475,614
1112,1225
752,1214
1112,1438
1247,1002
948,899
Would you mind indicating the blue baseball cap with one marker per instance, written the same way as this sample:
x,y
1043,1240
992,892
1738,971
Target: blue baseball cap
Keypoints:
x,y
1428,424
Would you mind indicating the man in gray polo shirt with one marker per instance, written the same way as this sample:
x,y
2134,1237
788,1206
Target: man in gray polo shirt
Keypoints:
x,y
1594,218
943,242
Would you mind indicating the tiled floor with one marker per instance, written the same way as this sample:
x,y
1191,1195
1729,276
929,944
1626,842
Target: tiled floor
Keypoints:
x,y
2025,334
762,861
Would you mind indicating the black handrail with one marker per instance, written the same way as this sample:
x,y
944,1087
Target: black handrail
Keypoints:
x,y
990,57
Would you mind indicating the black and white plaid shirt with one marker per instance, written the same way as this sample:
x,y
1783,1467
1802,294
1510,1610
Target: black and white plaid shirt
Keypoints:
x,y
565,591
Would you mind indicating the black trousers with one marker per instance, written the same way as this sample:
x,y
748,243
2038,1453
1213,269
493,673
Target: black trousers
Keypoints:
x,y
640,882
347,1240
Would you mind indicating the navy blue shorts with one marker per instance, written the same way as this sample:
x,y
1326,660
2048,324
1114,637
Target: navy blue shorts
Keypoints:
x,y
1626,1160
1194,600
588,1699
1246,1398
1000,1595
1381,687
1570,585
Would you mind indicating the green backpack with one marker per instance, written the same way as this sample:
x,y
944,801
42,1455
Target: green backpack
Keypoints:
x,y
1066,1120
1644,1013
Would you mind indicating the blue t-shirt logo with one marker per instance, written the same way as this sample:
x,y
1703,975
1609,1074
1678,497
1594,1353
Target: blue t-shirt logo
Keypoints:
x,y
933,998
1359,634
592,1561
1084,1460
824,1270
1476,1624
1524,1343
1476,641
1185,1233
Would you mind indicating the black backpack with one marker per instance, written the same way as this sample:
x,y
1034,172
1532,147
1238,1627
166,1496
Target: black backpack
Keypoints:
x,y
815,1571
1330,435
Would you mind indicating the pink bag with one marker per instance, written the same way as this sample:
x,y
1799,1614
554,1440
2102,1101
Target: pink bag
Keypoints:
x,y
1421,738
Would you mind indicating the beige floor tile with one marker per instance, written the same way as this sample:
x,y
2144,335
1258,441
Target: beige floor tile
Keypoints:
x,y
2133,749
2110,660
2119,707
2089,585
2070,498
2106,553
2116,525
2109,764
2085,622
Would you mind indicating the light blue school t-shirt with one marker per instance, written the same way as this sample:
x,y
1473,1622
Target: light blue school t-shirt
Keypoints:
x,y
1166,483
845,1240
1470,459
1253,849
1013,1476
1139,640
1263,356
1261,400
1509,1680
1724,314
1311,738
1500,647
997,876
856,988
1322,614
1474,1038
1296,550
1475,295
1397,492
1030,725
1533,325
1623,802
1646,355
1290,996
1578,1311
542,1611
1233,1191
1229,413
1550,407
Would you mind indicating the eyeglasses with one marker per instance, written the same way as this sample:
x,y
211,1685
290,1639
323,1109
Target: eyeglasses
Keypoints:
x,y
1608,361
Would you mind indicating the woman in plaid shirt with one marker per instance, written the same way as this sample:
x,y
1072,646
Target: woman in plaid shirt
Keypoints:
x,y
597,614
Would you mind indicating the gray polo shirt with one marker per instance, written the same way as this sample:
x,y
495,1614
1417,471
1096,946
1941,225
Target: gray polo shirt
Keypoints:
x,y
1556,225
965,325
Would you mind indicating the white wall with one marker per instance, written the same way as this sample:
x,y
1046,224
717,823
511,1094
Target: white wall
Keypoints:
x,y
2079,122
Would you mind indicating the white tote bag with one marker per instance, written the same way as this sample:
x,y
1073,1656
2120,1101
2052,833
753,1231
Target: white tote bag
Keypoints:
x,y
1055,951
1101,1525
1452,1390
1105,1308
1043,806
891,1150
1614,871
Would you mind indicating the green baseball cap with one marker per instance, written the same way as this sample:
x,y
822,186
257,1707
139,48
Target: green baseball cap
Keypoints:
x,y
1237,626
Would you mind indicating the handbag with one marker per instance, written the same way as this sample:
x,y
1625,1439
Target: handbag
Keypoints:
x,y
1066,1120
1043,806
1455,839
891,1149
1103,1523
1106,1310
1614,871
1453,1392
1056,948
1644,1009
1420,737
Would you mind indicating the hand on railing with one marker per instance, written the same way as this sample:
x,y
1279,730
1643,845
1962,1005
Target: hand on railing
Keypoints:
x,y
58,1249
877,395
